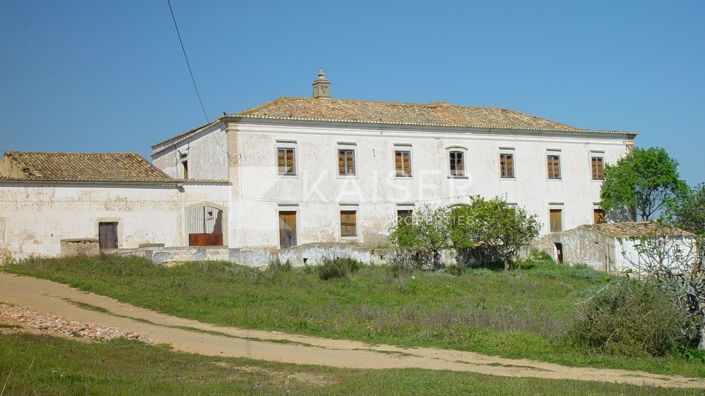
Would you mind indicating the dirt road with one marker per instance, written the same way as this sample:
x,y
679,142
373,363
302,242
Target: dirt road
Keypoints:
x,y
196,337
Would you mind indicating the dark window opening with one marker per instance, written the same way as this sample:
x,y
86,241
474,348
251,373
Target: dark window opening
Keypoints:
x,y
457,163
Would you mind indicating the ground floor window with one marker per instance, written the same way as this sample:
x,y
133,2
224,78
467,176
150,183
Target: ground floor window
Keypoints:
x,y
556,219
287,229
348,223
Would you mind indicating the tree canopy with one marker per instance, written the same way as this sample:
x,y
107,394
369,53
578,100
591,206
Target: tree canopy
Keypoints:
x,y
492,227
688,210
645,181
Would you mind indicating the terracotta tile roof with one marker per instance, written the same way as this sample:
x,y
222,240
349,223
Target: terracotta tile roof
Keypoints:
x,y
431,114
81,167
636,229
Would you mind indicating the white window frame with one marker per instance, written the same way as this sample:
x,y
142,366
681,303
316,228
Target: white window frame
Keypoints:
x,y
457,149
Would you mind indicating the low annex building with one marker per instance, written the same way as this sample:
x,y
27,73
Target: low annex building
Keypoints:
x,y
614,247
117,200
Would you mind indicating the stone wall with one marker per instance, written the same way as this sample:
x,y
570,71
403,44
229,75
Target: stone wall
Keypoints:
x,y
79,247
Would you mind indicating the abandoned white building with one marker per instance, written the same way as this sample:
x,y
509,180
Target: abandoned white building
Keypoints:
x,y
620,247
50,201
301,171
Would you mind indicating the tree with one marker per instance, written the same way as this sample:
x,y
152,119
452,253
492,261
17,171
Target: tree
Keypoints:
x,y
688,211
492,228
644,181
425,233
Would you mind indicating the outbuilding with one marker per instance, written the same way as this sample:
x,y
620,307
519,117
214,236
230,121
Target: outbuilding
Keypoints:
x,y
618,247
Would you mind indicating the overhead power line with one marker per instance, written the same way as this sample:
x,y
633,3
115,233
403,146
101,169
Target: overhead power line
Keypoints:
x,y
183,49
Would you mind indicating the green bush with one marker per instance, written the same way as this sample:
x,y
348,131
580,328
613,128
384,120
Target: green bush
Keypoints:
x,y
277,266
633,318
455,269
337,267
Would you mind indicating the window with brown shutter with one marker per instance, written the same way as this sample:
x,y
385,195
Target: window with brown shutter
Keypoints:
x,y
457,163
286,161
598,167
556,221
402,163
348,223
553,163
599,216
346,162
506,165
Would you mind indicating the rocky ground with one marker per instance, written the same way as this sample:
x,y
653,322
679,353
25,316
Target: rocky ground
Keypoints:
x,y
14,318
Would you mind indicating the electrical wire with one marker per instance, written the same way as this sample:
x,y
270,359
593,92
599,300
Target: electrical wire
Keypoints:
x,y
183,49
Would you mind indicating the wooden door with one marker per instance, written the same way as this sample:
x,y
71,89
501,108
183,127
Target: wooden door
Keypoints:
x,y
555,220
108,235
287,229
599,216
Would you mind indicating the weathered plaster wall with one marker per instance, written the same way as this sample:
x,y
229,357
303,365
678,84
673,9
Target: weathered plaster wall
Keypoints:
x,y
205,152
37,217
628,257
317,193
581,246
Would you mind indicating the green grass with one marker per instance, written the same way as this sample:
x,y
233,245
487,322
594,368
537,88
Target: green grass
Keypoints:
x,y
43,365
517,314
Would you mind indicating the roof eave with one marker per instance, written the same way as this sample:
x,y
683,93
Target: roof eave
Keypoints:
x,y
240,117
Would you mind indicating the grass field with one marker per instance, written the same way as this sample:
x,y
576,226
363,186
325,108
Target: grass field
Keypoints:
x,y
520,314
42,365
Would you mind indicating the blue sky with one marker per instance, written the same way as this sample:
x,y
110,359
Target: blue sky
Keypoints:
x,y
109,75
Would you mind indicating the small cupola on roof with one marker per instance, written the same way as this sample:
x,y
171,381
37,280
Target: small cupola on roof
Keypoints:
x,y
321,86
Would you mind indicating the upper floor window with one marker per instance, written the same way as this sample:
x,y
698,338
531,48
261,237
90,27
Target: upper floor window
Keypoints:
x,y
184,165
506,165
457,163
598,166
402,163
286,161
346,162
553,163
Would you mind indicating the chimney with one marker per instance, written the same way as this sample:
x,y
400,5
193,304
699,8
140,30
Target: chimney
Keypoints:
x,y
321,86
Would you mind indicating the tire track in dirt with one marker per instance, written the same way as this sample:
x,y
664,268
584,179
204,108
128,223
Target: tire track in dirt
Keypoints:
x,y
206,339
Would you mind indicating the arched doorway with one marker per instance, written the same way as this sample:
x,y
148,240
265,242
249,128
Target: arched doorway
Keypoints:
x,y
204,226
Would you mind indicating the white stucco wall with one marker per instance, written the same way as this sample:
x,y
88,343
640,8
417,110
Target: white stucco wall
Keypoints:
x,y
34,218
317,192
205,152
627,256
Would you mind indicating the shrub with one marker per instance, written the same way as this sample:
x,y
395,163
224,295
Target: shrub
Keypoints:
x,y
633,318
277,266
337,267
455,269
489,230
423,236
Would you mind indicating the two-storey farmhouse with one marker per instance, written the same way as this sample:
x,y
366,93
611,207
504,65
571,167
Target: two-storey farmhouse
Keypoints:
x,y
305,170
301,172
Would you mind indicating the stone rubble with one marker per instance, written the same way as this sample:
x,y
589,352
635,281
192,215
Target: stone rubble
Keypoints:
x,y
54,325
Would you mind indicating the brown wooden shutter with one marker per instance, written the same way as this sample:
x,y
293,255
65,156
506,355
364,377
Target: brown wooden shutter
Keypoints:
x,y
599,216
281,161
553,165
597,168
291,170
348,223
555,220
